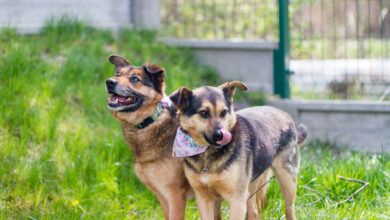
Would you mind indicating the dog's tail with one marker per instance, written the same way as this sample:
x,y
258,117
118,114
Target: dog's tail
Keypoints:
x,y
302,133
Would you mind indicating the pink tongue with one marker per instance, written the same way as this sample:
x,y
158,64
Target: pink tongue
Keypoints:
x,y
120,99
227,137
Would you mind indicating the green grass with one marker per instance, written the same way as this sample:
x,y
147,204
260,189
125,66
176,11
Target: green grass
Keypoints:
x,y
59,143
320,165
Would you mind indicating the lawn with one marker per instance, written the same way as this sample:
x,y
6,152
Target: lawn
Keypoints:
x,y
62,156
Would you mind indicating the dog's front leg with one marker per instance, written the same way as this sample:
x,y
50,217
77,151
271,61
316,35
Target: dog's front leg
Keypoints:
x,y
217,209
238,208
252,211
177,204
206,205
261,195
163,203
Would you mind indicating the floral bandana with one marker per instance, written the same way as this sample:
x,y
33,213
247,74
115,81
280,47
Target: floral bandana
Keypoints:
x,y
185,146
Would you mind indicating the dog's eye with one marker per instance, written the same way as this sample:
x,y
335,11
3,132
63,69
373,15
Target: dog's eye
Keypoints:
x,y
204,114
223,113
134,79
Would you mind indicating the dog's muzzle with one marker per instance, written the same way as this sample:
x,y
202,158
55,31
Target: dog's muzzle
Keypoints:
x,y
110,85
222,137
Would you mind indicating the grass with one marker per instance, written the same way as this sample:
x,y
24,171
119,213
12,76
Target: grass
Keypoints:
x,y
62,156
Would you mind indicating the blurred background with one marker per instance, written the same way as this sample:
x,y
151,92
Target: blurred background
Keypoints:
x,y
325,62
338,48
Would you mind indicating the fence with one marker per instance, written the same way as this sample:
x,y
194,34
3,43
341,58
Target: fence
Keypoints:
x,y
339,48
343,47
220,18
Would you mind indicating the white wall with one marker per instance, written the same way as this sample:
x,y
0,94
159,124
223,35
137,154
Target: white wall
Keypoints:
x,y
357,125
249,61
28,16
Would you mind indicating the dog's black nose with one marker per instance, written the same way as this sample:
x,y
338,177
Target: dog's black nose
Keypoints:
x,y
110,83
218,135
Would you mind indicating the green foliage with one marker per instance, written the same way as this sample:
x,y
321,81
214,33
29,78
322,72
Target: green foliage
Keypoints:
x,y
62,155
249,98
219,19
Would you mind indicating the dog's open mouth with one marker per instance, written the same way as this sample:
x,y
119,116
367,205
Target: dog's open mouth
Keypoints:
x,y
128,103
117,100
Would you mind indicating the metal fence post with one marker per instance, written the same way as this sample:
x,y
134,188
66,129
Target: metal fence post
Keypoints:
x,y
281,56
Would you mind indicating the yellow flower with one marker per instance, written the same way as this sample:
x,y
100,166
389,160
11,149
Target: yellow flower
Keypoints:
x,y
75,202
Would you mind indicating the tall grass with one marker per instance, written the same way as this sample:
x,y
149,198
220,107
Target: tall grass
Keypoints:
x,y
62,156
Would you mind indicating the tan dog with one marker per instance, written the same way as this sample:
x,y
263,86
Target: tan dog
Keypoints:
x,y
241,147
149,130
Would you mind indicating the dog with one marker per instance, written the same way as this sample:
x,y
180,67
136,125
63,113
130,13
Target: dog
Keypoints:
x,y
242,148
149,128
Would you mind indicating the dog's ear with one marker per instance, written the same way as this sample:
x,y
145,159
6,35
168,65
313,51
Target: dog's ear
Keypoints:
x,y
157,75
229,88
119,62
181,98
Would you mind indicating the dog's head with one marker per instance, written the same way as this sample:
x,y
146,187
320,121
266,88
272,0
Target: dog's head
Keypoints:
x,y
135,91
207,113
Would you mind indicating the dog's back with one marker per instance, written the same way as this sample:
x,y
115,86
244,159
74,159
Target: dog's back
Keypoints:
x,y
270,130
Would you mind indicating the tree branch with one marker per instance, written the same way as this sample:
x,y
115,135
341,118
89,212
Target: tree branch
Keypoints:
x,y
334,203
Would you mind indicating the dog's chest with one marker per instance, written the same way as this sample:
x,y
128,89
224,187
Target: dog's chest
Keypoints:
x,y
222,184
206,179
213,183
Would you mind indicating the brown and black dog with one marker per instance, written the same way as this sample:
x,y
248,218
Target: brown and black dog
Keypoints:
x,y
243,146
149,130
